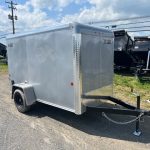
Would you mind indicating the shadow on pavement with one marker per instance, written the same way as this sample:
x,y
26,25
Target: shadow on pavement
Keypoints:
x,y
94,124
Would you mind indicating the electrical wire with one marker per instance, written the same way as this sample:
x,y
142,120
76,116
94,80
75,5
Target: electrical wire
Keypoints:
x,y
139,30
2,37
133,27
117,20
5,34
147,21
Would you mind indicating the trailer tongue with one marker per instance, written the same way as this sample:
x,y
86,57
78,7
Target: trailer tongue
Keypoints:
x,y
126,110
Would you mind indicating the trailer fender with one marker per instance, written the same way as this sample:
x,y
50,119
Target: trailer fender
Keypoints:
x,y
28,91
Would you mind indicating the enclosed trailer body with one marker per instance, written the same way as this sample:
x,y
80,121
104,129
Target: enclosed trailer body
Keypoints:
x,y
57,66
69,67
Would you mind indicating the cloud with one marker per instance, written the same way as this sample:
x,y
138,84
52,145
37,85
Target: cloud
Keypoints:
x,y
4,22
53,4
125,7
28,18
50,4
35,13
32,14
112,9
90,15
32,18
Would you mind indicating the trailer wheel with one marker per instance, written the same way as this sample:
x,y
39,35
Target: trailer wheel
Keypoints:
x,y
20,101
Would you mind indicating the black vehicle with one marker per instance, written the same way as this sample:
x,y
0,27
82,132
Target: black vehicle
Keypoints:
x,y
142,51
3,51
123,57
133,55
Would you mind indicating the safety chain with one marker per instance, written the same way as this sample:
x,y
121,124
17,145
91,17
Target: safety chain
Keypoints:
x,y
122,123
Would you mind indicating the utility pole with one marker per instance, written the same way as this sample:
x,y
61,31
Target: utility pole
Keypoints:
x,y
12,17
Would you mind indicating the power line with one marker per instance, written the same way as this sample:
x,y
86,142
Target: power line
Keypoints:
x,y
133,27
12,17
2,37
117,20
139,30
127,23
5,34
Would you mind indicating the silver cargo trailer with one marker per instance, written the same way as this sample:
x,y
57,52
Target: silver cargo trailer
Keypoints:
x,y
69,67
56,66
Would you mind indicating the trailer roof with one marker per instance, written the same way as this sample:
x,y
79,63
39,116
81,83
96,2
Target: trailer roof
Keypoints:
x,y
77,27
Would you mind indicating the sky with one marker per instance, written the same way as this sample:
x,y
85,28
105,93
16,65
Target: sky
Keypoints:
x,y
45,13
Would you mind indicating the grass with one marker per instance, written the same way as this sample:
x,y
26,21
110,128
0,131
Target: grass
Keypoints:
x,y
126,85
3,66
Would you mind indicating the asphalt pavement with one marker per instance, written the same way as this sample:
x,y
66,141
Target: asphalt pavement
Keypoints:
x,y
49,128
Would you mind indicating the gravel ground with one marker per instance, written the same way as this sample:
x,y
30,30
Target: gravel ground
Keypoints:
x,y
47,128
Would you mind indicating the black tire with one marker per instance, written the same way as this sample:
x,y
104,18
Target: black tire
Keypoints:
x,y
20,101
